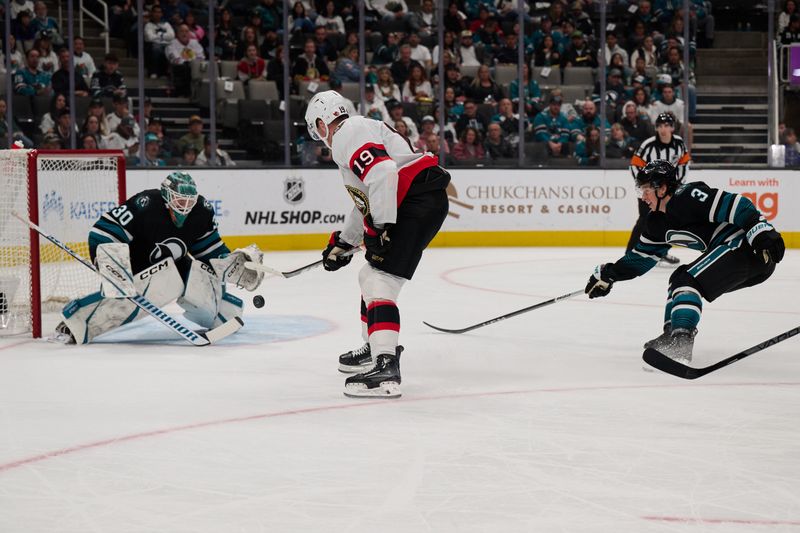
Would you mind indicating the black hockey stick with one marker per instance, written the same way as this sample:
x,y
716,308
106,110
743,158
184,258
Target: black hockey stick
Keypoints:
x,y
660,361
509,315
297,271
197,338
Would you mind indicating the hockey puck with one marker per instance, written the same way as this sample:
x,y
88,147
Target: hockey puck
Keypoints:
x,y
258,301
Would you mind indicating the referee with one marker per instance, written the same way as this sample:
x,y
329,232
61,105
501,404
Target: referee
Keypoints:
x,y
663,145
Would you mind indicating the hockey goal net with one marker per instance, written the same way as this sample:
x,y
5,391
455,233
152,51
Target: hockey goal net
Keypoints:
x,y
64,192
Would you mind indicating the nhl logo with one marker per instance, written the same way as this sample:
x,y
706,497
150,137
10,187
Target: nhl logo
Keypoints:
x,y
294,190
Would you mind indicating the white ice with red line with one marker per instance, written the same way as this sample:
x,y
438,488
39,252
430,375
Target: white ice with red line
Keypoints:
x,y
544,422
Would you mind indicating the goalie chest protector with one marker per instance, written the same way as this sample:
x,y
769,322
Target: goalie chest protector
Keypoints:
x,y
145,224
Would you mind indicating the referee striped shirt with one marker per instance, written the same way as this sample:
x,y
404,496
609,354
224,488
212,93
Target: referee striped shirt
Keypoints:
x,y
651,149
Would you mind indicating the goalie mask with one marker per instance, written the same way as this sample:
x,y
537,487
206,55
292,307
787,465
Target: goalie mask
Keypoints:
x,y
325,106
180,195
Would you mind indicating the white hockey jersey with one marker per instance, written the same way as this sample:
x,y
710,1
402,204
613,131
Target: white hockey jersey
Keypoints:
x,y
377,165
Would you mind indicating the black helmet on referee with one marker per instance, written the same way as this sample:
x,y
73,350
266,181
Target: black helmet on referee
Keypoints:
x,y
665,118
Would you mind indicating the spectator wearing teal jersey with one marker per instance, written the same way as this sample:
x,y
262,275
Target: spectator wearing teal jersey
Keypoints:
x,y
531,92
552,127
30,81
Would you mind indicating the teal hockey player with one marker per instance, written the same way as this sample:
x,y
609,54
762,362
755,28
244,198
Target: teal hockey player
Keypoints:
x,y
739,249
166,240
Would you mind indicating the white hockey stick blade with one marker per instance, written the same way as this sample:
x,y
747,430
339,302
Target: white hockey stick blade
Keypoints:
x,y
263,268
220,332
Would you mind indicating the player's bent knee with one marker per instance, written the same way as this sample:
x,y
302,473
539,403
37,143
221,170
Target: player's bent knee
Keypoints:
x,y
378,285
682,278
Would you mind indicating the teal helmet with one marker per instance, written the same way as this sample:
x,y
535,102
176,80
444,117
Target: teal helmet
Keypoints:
x,y
180,194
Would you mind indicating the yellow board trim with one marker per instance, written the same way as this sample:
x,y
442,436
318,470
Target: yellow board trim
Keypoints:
x,y
317,241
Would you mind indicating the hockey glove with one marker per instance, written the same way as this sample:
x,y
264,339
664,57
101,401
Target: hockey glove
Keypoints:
x,y
231,269
600,282
766,242
378,240
331,255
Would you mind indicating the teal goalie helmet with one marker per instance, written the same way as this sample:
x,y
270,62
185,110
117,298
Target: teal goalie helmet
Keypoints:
x,y
180,195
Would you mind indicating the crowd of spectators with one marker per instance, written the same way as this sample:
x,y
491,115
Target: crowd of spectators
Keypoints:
x,y
643,66
643,55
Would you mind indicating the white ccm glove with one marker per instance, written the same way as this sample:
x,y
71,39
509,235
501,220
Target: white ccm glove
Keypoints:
x,y
231,269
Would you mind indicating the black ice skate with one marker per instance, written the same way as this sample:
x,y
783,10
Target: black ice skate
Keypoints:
x,y
383,381
669,261
356,360
62,334
680,345
661,340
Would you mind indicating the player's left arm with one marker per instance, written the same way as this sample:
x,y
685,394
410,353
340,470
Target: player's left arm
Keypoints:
x,y
208,244
229,266
738,210
644,256
371,164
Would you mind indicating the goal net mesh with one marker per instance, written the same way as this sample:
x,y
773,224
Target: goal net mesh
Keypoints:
x,y
74,190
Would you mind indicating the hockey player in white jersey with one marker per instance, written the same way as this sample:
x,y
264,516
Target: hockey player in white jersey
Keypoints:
x,y
166,241
400,204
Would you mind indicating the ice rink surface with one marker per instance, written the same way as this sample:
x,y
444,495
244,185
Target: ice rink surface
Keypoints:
x,y
544,422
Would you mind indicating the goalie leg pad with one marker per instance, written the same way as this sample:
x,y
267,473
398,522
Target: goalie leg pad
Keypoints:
x,y
380,291
114,264
205,300
94,315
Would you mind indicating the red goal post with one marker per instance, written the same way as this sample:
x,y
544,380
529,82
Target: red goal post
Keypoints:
x,y
64,192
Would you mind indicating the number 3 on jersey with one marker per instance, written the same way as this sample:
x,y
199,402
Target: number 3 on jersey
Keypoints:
x,y
700,195
367,157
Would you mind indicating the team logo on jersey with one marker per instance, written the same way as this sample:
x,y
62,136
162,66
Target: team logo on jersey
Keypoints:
x,y
143,201
53,203
359,198
684,238
294,190
171,247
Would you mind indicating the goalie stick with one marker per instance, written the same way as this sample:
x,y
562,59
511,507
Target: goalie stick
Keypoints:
x,y
292,273
660,361
509,315
195,337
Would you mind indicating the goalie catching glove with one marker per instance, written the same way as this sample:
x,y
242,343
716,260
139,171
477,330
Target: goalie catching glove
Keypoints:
x,y
601,282
231,268
332,258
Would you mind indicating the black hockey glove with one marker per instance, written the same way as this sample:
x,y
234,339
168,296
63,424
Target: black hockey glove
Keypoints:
x,y
378,241
331,255
600,282
766,242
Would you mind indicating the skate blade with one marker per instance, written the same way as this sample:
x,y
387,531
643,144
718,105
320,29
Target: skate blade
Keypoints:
x,y
352,369
667,264
61,338
387,389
